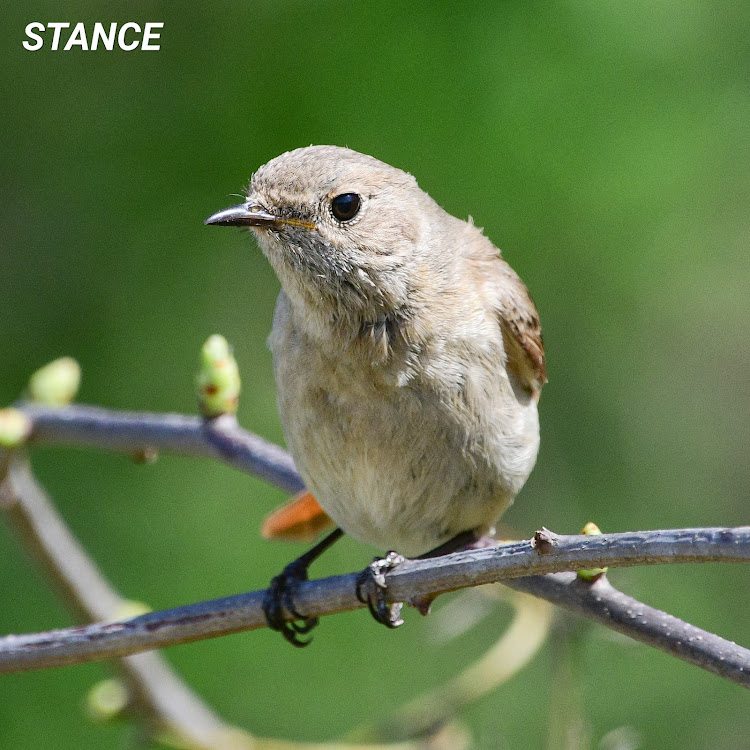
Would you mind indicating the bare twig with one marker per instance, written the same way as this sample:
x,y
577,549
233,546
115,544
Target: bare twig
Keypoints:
x,y
155,689
515,648
415,578
129,432
172,712
601,602
512,563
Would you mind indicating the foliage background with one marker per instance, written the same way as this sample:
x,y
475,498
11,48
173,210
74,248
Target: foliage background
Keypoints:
x,y
604,146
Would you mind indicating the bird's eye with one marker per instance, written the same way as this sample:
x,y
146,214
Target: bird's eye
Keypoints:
x,y
345,206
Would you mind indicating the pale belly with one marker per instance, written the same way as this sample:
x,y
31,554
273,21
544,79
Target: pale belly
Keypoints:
x,y
396,466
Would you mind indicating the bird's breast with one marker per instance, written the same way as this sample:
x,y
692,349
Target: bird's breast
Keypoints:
x,y
396,454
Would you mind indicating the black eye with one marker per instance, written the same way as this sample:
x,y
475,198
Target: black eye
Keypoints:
x,y
345,206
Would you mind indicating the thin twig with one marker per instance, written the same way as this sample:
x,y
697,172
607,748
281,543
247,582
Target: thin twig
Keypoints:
x,y
515,648
130,432
173,713
155,689
601,602
224,439
415,578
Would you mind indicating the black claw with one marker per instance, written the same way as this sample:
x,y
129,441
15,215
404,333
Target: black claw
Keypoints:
x,y
371,587
281,591
280,597
307,624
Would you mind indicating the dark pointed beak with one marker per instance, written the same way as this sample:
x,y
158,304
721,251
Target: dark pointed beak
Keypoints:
x,y
244,215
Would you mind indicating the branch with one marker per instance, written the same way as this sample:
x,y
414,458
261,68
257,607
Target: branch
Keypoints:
x,y
222,438
517,646
155,689
601,602
417,578
131,432
173,713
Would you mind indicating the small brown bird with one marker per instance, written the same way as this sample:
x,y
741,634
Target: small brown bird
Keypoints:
x,y
408,358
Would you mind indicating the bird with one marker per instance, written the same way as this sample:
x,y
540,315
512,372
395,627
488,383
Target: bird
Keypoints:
x,y
408,360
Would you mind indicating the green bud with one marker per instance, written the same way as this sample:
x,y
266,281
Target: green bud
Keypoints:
x,y
15,427
56,384
591,529
107,700
130,608
218,379
591,574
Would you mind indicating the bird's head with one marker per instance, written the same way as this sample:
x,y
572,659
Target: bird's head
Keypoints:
x,y
340,228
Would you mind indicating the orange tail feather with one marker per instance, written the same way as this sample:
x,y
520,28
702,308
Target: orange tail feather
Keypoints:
x,y
300,519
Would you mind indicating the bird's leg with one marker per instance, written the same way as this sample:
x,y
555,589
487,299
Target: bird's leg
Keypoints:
x,y
371,583
281,590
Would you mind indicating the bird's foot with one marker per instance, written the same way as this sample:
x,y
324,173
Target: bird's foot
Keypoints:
x,y
371,587
280,597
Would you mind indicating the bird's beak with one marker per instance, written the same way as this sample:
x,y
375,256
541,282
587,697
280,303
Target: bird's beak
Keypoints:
x,y
245,215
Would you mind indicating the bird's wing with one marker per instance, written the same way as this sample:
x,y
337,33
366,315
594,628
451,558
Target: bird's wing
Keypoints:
x,y
522,332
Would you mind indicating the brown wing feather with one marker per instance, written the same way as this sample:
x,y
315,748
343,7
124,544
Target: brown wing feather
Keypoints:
x,y
522,332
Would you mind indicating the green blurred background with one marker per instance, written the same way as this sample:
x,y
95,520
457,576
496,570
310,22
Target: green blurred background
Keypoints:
x,y
604,146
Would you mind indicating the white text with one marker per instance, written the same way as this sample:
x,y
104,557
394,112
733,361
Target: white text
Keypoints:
x,y
128,37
